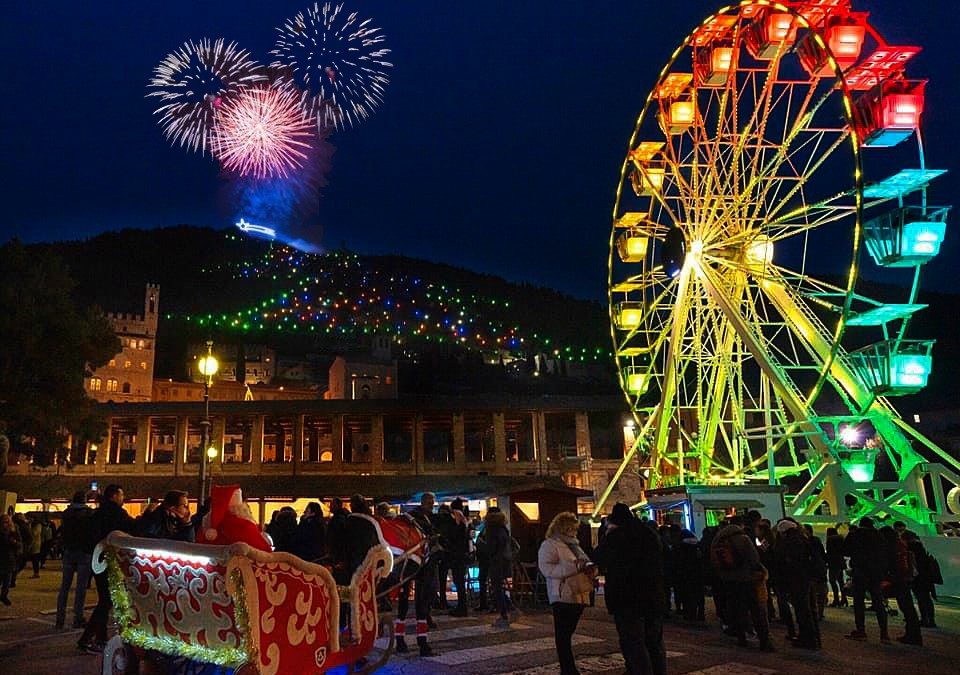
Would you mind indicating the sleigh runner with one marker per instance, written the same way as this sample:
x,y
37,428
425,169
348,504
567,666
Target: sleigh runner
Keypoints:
x,y
259,613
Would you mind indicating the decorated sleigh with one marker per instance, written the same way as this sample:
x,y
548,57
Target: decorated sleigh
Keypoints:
x,y
237,607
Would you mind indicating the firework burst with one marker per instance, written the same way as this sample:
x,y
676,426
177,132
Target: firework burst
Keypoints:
x,y
337,61
193,82
262,132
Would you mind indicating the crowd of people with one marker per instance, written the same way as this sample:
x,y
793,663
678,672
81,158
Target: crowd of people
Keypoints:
x,y
24,541
759,572
339,540
756,571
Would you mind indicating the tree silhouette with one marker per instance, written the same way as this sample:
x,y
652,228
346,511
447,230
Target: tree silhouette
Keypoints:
x,y
48,342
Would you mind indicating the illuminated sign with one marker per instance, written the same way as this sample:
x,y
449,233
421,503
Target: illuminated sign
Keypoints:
x,y
258,230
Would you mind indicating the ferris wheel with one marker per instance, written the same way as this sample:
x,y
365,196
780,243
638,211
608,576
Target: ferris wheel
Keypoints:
x,y
780,144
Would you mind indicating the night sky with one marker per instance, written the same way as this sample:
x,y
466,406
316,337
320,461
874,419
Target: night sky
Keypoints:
x,y
498,147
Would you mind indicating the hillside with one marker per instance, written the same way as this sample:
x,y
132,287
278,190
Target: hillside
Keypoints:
x,y
230,288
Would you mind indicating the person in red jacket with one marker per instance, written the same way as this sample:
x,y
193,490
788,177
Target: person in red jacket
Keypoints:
x,y
230,520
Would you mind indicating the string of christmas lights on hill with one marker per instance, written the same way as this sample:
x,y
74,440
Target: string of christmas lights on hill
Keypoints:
x,y
338,294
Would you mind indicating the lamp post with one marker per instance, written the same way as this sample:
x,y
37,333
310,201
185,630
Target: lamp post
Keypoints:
x,y
208,366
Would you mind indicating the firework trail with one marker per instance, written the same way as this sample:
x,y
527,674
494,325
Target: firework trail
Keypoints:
x,y
337,63
193,82
263,133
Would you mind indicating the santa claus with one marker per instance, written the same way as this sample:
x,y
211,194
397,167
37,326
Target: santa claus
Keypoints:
x,y
230,520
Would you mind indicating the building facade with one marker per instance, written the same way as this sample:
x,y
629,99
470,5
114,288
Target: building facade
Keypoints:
x,y
128,376
355,379
285,450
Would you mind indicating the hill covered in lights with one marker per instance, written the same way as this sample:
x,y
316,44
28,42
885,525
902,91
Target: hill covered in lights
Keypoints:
x,y
231,288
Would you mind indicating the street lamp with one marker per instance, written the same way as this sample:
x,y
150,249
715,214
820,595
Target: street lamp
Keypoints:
x,y
208,366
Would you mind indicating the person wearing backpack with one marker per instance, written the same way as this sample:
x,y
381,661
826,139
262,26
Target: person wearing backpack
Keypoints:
x,y
79,540
902,570
737,562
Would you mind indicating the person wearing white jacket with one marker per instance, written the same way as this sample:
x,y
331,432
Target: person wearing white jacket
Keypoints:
x,y
569,574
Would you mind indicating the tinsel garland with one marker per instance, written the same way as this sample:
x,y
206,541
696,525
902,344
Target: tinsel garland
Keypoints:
x,y
221,656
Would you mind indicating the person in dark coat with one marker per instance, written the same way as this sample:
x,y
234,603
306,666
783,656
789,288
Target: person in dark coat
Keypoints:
x,y
923,584
171,520
792,550
79,538
108,518
868,563
282,529
710,576
9,547
309,538
689,559
360,534
483,568
335,541
900,574
452,526
631,558
500,549
25,533
836,565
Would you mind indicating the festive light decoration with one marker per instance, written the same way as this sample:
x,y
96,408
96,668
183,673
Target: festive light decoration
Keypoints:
x,y
337,60
193,82
262,133
338,295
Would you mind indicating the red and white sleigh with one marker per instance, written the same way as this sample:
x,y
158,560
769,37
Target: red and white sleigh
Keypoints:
x,y
235,606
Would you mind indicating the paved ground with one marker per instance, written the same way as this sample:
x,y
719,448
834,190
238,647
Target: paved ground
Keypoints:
x,y
29,643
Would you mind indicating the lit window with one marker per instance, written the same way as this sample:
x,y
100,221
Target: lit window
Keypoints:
x,y
143,365
530,510
140,344
126,364
95,384
113,363
111,385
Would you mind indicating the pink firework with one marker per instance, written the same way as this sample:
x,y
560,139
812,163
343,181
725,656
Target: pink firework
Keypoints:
x,y
263,133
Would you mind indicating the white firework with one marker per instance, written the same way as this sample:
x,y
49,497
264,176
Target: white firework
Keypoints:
x,y
336,61
193,82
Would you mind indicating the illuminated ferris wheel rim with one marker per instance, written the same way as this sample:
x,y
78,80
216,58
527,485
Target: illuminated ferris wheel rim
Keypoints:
x,y
722,247
745,245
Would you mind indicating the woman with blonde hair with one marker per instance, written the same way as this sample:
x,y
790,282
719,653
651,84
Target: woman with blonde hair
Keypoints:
x,y
569,574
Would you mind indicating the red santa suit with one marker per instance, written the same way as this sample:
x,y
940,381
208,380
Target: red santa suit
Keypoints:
x,y
230,521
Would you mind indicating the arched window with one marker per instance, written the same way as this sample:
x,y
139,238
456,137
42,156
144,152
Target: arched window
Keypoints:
x,y
126,387
112,384
95,384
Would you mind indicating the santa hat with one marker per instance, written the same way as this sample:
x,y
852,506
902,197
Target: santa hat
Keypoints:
x,y
222,497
